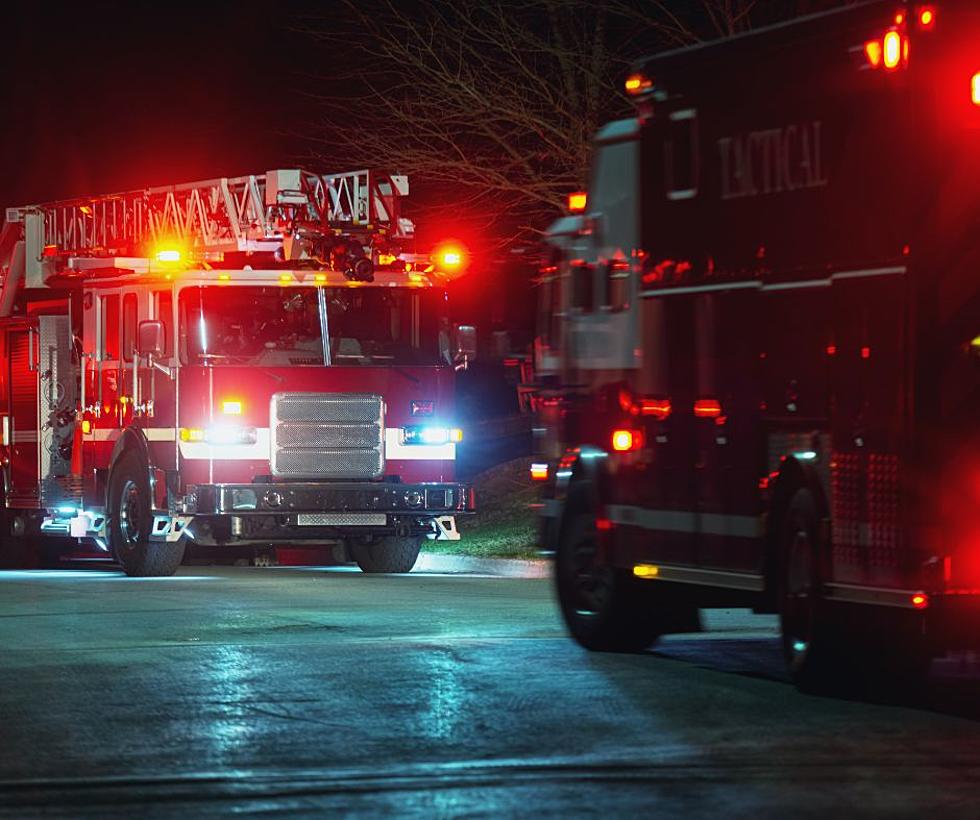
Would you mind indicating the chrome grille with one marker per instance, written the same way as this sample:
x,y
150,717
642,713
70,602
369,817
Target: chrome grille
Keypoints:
x,y
327,435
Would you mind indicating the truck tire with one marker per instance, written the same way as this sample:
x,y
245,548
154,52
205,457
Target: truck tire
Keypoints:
x,y
130,519
817,655
605,608
390,555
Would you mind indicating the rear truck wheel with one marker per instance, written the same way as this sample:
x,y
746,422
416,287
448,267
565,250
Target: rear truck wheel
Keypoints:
x,y
16,551
817,655
605,608
393,554
130,519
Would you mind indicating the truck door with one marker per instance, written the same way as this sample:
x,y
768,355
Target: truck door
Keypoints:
x,y
23,421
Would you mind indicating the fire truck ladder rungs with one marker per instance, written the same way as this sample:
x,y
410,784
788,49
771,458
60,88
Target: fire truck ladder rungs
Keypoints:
x,y
225,214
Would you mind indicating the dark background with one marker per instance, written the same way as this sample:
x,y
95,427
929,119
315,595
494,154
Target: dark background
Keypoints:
x,y
99,97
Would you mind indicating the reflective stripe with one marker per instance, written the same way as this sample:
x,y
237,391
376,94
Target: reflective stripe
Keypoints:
x,y
151,433
739,526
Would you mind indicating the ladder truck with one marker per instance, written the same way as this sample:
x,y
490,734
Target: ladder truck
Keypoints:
x,y
236,362
759,346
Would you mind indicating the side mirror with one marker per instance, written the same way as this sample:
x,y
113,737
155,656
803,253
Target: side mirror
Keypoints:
x,y
150,341
465,343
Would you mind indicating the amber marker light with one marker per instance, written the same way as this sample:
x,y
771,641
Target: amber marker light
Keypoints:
x,y
920,600
637,84
872,50
577,202
646,571
539,472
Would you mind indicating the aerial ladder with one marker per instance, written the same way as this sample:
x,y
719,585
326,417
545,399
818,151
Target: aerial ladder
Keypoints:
x,y
349,221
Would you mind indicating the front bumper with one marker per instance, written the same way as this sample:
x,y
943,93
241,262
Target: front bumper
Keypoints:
x,y
347,497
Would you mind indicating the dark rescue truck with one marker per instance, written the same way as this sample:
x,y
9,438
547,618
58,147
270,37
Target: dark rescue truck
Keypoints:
x,y
237,363
759,347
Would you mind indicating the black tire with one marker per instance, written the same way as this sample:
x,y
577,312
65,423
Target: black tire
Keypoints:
x,y
817,655
387,555
130,513
605,608
16,551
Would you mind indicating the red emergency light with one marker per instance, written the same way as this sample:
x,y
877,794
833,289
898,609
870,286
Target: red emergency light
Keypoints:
x,y
577,202
975,88
891,50
625,440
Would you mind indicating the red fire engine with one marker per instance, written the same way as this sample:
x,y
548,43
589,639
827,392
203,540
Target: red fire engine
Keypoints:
x,y
758,355
257,360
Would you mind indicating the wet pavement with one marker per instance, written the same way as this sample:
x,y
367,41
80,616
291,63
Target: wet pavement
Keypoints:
x,y
306,691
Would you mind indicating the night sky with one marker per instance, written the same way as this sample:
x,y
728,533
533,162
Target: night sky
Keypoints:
x,y
101,97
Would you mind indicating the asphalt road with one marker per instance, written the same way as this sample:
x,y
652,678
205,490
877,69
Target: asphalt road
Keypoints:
x,y
303,691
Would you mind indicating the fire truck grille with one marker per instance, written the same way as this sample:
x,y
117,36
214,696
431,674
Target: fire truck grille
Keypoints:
x,y
327,435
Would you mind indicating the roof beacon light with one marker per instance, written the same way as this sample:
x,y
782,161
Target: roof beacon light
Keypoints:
x,y
577,202
975,88
637,84
927,18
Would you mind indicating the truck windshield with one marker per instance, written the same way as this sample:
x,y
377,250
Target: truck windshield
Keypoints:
x,y
281,326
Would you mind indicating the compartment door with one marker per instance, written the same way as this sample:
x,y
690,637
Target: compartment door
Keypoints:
x,y
24,417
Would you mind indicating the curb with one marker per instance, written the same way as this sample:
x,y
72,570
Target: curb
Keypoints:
x,y
466,565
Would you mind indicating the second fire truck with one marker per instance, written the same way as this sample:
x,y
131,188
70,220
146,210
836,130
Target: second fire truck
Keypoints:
x,y
239,361
759,346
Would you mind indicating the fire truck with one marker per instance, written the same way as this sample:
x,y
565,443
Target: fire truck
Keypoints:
x,y
232,362
757,355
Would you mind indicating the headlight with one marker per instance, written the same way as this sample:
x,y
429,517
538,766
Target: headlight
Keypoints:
x,y
425,434
220,434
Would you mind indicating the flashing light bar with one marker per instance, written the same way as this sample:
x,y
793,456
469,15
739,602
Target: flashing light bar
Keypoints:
x,y
231,407
975,88
637,84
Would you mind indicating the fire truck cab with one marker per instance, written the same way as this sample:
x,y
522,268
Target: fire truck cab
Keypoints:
x,y
247,361
758,346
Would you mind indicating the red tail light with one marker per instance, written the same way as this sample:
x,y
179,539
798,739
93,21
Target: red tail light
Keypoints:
x,y
660,409
707,408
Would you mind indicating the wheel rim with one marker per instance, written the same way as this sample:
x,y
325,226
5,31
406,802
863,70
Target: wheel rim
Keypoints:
x,y
798,597
589,572
131,511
